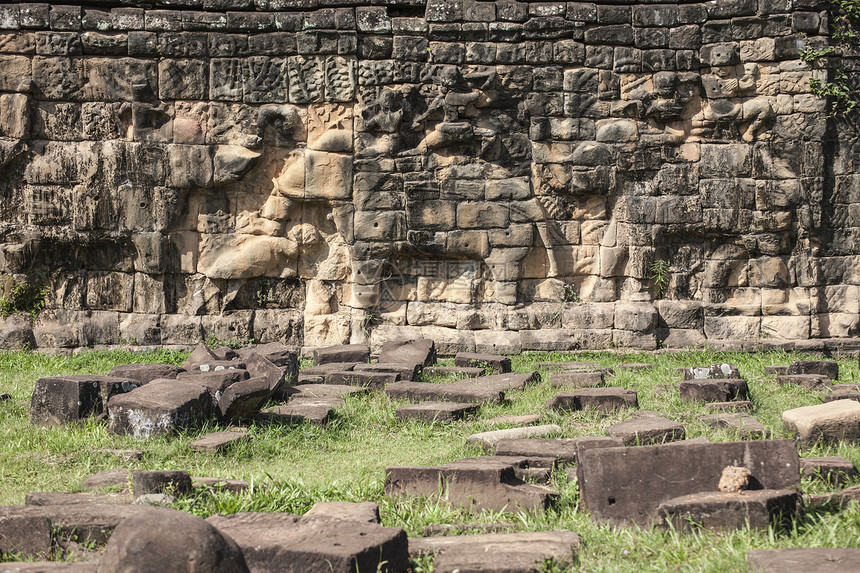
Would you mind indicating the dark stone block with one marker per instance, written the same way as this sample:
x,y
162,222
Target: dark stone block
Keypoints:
x,y
647,431
61,400
346,353
823,560
436,411
160,407
822,367
244,399
724,390
718,511
610,399
490,362
160,481
144,373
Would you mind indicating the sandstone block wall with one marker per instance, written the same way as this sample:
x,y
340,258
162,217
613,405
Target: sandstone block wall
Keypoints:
x,y
495,174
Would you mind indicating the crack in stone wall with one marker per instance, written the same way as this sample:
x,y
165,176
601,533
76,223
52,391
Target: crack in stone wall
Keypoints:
x,y
498,175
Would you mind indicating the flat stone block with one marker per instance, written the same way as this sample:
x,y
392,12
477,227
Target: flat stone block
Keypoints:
x,y
404,371
160,407
834,470
524,420
563,450
313,410
718,511
721,390
490,362
715,371
576,379
363,512
326,391
488,440
626,485
451,372
610,399
293,544
831,422
827,368
117,477
217,441
160,481
460,391
344,353
498,552
421,352
55,498
144,373
808,381
62,400
736,406
743,427
436,411
647,431
373,380
817,560
317,374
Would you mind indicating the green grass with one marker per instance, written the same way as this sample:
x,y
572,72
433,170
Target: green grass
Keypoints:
x,y
293,467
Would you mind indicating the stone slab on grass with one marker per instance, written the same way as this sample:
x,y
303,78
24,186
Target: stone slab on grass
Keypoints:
x,y
373,380
557,366
160,407
626,485
831,422
281,542
741,426
827,368
404,371
609,399
488,440
460,391
243,399
482,483
490,362
317,374
842,395
522,552
720,390
421,352
116,477
62,400
576,379
55,498
719,511
741,406
364,512
834,470
519,421
160,481
145,373
326,391
647,431
235,486
343,353
802,559
436,411
452,372
809,381
297,410
562,450
839,498
713,372
218,441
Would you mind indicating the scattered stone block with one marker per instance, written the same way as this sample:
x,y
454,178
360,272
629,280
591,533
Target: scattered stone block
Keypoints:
x,y
609,399
215,382
243,399
482,483
808,381
436,411
719,511
373,380
775,370
363,512
160,481
316,374
524,552
234,486
56,498
343,353
831,422
490,362
155,499
827,368
743,427
834,470
567,366
488,440
742,406
225,353
218,441
463,528
25,534
524,420
817,560
404,371
460,391
842,395
627,485
297,410
576,379
200,355
160,407
718,390
278,376
713,372
836,498
117,477
293,544
421,352
647,431
451,371
145,373
275,353
63,400
170,540
562,450
325,391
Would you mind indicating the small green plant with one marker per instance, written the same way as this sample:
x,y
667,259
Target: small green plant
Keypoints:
x,y
659,275
570,294
24,298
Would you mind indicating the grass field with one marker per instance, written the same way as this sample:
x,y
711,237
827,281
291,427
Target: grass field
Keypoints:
x,y
299,465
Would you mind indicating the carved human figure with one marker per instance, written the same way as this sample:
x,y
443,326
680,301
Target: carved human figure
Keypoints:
x,y
724,86
383,120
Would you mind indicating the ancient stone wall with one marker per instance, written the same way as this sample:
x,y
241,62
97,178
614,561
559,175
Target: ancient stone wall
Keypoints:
x,y
493,174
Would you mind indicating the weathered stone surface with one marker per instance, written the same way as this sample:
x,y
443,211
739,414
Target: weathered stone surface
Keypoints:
x,y
647,431
218,441
145,372
436,411
285,542
489,362
58,401
160,407
107,478
160,481
374,380
822,367
171,540
347,353
488,440
512,552
834,470
243,399
716,371
563,450
835,421
482,483
460,391
404,371
312,410
626,485
740,426
718,511
421,352
363,512
452,372
576,379
808,381
317,374
825,560
517,421
325,391
608,399
721,390
54,498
